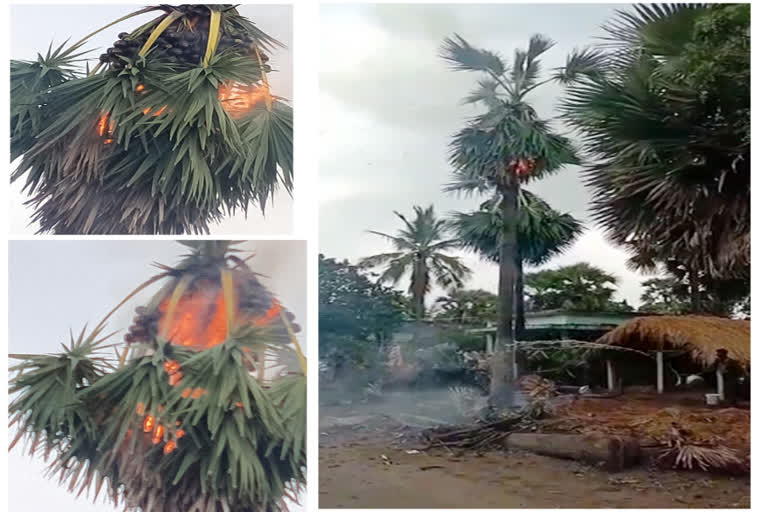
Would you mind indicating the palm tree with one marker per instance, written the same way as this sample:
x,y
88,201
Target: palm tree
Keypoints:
x,y
466,306
542,233
421,250
174,128
663,106
577,287
182,424
504,146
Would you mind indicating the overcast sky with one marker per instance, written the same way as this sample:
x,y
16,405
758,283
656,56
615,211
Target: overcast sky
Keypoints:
x,y
32,33
389,106
55,286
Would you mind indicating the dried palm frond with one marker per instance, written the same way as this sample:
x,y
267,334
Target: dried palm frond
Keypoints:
x,y
704,458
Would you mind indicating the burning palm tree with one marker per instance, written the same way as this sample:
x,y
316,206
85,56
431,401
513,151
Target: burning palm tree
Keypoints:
x,y
174,128
201,412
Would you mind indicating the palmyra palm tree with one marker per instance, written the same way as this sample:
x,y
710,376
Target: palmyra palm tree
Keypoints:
x,y
663,109
173,129
182,424
466,306
503,147
421,249
542,233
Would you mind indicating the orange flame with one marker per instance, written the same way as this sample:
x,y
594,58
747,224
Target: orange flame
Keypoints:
x,y
159,431
239,99
105,128
189,328
200,320
169,447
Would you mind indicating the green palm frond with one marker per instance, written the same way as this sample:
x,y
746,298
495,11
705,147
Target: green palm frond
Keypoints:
x,y
462,56
216,438
670,148
153,143
420,249
542,231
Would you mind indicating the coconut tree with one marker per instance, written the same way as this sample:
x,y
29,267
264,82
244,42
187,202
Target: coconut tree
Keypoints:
x,y
504,146
421,250
663,106
174,127
542,233
189,417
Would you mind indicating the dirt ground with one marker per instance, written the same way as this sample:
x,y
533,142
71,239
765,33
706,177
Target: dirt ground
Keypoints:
x,y
370,468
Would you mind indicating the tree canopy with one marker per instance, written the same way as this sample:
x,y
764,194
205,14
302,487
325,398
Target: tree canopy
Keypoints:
x,y
579,287
422,248
353,308
663,107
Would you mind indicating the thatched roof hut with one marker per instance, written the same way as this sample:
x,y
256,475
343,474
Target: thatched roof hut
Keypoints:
x,y
700,336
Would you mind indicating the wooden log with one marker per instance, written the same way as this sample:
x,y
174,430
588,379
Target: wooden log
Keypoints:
x,y
611,452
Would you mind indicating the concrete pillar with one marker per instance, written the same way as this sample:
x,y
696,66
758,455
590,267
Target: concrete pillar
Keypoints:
x,y
660,372
489,343
720,383
611,375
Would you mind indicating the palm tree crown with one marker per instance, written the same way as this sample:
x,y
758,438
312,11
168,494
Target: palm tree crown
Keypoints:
x,y
421,249
542,231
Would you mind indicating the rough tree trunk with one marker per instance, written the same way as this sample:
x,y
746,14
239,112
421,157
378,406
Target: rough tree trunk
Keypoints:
x,y
612,452
501,368
520,301
693,279
520,313
419,288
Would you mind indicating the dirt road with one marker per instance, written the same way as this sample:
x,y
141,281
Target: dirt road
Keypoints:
x,y
353,474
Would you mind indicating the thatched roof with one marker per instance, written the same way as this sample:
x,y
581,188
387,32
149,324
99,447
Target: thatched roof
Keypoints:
x,y
701,336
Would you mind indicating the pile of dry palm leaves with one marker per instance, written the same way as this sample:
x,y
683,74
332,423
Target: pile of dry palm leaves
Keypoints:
x,y
691,438
484,434
682,453
183,424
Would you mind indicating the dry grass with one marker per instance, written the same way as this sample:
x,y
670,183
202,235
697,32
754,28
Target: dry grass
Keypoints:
x,y
701,336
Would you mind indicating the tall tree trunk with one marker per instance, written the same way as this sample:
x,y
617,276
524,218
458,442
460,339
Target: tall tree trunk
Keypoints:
x,y
520,300
520,313
419,288
502,364
693,280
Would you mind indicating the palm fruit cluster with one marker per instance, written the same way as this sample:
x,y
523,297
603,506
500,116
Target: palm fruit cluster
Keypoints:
x,y
174,129
183,42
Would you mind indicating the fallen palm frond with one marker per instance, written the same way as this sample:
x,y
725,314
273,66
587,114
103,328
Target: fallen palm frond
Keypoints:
x,y
682,453
484,435
704,458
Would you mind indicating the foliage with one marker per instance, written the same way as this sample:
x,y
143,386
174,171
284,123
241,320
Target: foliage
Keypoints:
x,y
506,145
421,250
579,287
663,295
672,295
466,306
352,309
663,107
149,143
542,231
175,428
